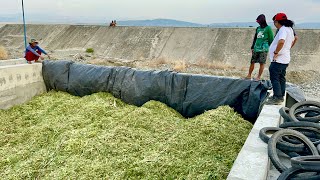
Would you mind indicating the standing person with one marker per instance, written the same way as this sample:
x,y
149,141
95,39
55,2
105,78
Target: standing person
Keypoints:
x,y
33,52
294,33
279,53
260,46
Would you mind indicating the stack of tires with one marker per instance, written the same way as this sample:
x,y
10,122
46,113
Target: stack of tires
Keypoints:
x,y
298,137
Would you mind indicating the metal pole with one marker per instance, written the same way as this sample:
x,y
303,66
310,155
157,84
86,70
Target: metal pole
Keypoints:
x,y
24,27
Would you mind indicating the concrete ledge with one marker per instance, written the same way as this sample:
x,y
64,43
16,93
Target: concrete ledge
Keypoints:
x,y
12,62
19,83
253,161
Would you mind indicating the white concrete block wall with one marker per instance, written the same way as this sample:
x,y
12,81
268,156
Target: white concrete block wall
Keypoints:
x,y
12,62
19,83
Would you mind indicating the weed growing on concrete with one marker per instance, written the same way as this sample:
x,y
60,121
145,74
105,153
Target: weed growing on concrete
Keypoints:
x,y
59,136
89,50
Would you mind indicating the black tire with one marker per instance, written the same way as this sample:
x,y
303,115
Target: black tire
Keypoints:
x,y
298,105
312,133
300,124
311,116
308,131
286,146
263,133
272,146
291,154
307,163
284,112
292,172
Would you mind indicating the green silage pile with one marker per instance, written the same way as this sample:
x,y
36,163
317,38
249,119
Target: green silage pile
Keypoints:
x,y
59,136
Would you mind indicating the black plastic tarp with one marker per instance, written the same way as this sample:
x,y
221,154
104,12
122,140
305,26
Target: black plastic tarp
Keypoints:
x,y
56,74
189,94
295,92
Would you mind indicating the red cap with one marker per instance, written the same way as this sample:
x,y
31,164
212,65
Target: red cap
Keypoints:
x,y
280,16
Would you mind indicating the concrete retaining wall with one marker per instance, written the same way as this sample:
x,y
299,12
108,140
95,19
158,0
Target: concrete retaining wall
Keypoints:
x,y
227,45
12,62
19,83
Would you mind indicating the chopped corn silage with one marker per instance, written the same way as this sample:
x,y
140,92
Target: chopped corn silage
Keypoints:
x,y
59,136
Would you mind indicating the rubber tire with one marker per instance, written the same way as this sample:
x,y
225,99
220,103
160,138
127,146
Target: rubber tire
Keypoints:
x,y
308,110
312,133
312,114
272,146
300,124
291,172
291,154
263,133
284,112
307,163
300,104
308,131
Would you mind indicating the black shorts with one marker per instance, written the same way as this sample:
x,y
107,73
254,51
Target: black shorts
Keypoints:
x,y
259,57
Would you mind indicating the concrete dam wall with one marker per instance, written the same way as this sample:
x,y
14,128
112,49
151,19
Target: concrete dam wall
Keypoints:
x,y
227,45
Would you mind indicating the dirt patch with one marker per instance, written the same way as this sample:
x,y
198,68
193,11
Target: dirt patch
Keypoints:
x,y
3,53
300,77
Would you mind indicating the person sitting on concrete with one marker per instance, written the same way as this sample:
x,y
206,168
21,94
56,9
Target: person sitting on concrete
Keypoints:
x,y
260,46
111,24
33,52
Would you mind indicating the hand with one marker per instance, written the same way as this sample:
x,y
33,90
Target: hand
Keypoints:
x,y
41,57
275,56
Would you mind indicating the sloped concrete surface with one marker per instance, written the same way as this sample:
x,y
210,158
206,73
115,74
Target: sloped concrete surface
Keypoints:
x,y
227,45
19,83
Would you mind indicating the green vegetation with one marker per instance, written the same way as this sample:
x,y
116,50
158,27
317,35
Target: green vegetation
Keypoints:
x,y
59,136
90,50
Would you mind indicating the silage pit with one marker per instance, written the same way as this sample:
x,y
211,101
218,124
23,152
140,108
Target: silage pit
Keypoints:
x,y
57,135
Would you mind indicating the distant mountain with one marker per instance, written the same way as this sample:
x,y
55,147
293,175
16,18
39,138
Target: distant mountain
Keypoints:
x,y
254,24
159,22
49,18
234,24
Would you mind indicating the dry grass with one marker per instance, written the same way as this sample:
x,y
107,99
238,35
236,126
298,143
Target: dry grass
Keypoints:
x,y
59,136
179,66
158,62
108,62
3,53
213,65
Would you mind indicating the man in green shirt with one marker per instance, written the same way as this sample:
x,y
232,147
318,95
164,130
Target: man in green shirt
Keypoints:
x,y
260,46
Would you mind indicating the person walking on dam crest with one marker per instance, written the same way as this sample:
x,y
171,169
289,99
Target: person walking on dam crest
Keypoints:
x,y
260,46
33,52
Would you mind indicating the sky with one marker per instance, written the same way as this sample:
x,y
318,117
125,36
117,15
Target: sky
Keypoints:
x,y
197,11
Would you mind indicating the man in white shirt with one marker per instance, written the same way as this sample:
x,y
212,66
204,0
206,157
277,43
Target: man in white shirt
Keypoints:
x,y
279,53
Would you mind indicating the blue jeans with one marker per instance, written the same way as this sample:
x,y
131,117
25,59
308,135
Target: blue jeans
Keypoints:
x,y
278,78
